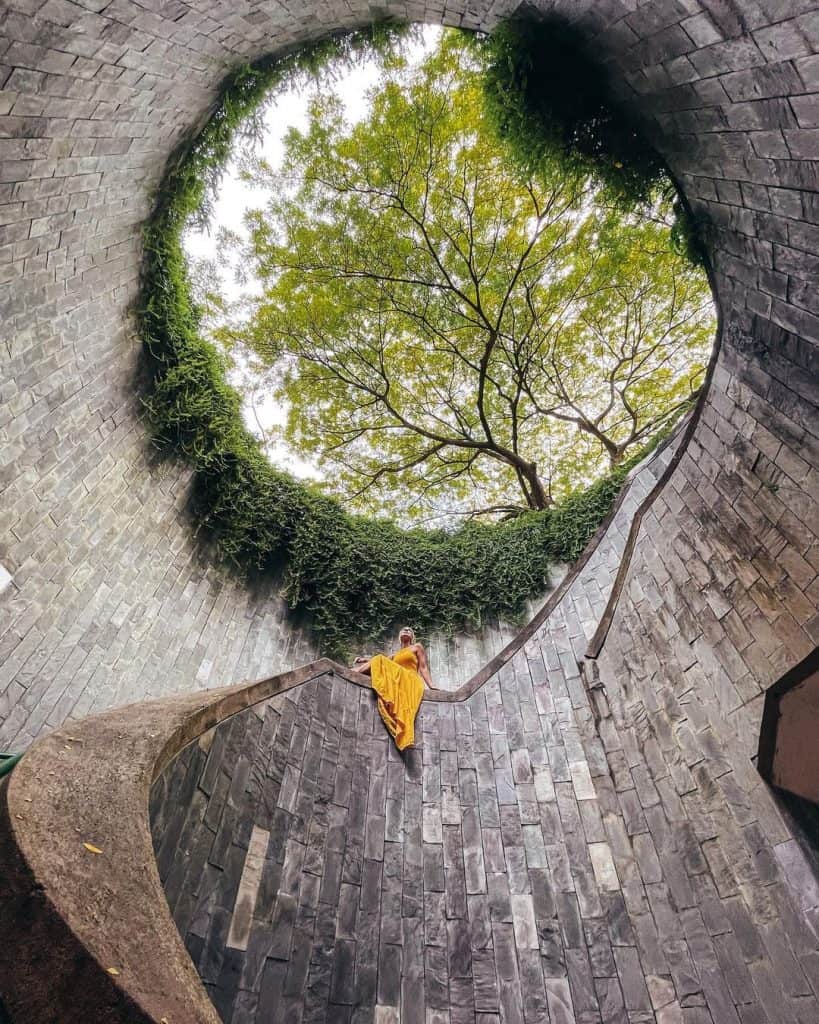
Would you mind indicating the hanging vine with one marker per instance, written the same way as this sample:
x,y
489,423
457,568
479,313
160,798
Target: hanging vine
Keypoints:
x,y
353,577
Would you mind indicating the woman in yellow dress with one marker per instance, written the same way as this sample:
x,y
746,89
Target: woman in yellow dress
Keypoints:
x,y
399,683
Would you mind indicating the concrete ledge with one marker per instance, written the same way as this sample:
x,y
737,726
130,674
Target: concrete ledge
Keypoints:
x,y
71,915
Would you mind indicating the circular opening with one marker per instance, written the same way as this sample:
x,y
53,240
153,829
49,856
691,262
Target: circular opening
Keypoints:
x,y
456,331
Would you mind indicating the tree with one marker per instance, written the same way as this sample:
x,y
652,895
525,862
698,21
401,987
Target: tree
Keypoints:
x,y
437,320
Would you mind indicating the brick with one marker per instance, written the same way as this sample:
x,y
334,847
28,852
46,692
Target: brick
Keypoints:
x,y
517,825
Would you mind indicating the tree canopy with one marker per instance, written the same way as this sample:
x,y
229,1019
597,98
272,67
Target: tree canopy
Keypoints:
x,y
449,334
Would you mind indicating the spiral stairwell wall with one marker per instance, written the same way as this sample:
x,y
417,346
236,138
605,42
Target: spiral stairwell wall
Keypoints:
x,y
109,600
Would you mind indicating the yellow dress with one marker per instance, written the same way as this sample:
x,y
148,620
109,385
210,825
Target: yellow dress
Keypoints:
x,y
400,690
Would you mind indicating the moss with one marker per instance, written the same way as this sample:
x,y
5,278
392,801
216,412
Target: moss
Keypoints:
x,y
353,577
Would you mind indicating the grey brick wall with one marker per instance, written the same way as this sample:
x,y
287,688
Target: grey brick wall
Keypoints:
x,y
110,600
533,859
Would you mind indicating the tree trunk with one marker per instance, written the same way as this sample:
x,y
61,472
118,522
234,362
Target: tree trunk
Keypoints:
x,y
614,451
536,494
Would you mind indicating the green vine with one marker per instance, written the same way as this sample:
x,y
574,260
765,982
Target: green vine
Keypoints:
x,y
353,577
550,99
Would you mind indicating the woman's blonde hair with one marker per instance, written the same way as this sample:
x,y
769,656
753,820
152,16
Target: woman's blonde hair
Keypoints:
x,y
408,629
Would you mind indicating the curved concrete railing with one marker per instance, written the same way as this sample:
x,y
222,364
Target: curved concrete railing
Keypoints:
x,y
685,431
97,923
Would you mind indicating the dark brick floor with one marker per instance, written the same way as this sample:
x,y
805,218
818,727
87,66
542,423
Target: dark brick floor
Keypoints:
x,y
506,870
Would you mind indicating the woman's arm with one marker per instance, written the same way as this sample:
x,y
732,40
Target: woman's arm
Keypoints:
x,y
423,666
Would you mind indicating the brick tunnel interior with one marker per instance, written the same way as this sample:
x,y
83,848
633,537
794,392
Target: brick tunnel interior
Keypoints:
x,y
565,845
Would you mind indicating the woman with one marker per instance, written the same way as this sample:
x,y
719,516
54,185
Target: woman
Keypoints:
x,y
399,682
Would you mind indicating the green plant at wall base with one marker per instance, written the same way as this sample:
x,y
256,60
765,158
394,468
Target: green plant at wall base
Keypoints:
x,y
354,577
549,98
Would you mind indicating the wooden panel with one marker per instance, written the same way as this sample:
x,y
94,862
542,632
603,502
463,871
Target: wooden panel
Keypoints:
x,y
796,756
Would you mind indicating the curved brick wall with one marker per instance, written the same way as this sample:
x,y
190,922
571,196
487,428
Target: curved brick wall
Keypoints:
x,y
109,600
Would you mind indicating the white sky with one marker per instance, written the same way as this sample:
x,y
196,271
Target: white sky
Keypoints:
x,y
287,109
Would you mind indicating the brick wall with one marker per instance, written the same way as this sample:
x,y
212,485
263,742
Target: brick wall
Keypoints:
x,y
109,599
